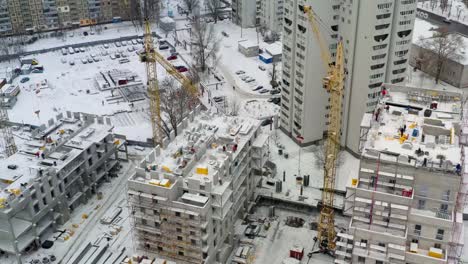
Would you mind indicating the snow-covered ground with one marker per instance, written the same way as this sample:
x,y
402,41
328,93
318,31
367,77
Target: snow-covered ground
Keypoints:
x,y
456,9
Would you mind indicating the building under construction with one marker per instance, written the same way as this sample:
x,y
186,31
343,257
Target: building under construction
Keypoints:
x,y
186,197
58,167
406,206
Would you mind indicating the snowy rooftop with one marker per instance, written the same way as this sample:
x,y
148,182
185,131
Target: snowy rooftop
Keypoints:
x,y
247,44
418,123
199,152
424,29
52,146
274,49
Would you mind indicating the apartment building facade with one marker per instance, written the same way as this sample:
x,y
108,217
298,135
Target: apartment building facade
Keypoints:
x,y
271,15
245,13
406,206
185,203
21,16
376,36
60,167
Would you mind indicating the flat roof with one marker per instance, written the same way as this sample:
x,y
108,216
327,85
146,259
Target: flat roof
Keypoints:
x,y
247,44
274,49
433,131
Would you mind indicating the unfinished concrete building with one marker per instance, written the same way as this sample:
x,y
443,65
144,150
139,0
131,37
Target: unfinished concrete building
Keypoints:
x,y
58,168
186,198
406,205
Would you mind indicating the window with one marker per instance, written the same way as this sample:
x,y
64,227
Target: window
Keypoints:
x,y
193,241
179,230
417,230
444,208
160,248
378,262
191,217
361,259
421,204
440,234
179,238
177,214
181,253
36,208
143,221
437,245
446,195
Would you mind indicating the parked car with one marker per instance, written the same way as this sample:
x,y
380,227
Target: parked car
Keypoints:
x,y
250,80
63,60
266,122
82,49
90,60
118,45
140,40
77,50
258,88
64,51
106,46
181,68
275,91
134,41
163,47
117,55
84,61
96,59
172,57
123,43
275,100
112,56
245,77
104,53
24,79
263,91
121,61
261,68
130,49
218,99
37,71
71,50
72,62
240,72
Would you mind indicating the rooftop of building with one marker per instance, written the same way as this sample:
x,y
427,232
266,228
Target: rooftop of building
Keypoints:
x,y
52,146
202,150
421,124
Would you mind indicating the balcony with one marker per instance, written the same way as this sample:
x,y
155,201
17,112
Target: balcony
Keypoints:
x,y
415,254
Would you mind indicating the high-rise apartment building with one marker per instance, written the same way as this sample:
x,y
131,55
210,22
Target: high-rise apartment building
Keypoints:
x,y
186,197
245,13
406,206
376,37
20,16
271,15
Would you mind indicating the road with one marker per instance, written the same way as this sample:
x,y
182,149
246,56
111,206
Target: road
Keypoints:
x,y
454,26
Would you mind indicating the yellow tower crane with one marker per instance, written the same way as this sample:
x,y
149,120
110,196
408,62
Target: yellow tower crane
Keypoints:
x,y
150,56
334,84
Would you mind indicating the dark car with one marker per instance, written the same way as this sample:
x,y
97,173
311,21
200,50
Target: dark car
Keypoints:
x,y
172,57
276,100
218,99
263,91
266,122
181,68
275,91
25,79
163,47
258,88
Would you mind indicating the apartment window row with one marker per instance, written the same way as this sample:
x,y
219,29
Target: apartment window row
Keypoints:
x,y
377,66
398,71
439,235
407,2
404,22
401,53
378,57
379,47
383,16
375,76
383,6
403,42
406,12
382,26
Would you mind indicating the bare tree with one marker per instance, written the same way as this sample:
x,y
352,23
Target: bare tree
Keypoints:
x,y
214,8
443,5
445,46
176,103
152,9
319,155
135,13
191,4
234,106
274,75
205,44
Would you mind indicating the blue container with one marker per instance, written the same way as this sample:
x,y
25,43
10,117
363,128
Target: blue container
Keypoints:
x,y
415,132
170,13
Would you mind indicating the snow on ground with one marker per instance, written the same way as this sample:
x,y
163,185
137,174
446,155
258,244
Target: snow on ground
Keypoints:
x,y
424,80
72,88
348,169
424,29
456,10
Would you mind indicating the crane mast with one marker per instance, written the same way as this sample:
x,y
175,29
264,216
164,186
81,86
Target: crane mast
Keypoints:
x,y
149,58
334,85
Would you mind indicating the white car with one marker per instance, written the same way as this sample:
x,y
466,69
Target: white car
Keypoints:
x,y
72,62
106,46
84,61
82,49
134,41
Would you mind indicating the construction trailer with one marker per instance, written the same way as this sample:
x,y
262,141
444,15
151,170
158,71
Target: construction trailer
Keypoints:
x,y
185,198
407,203
61,165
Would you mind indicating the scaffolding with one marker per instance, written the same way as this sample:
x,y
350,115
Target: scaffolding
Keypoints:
x,y
8,142
166,231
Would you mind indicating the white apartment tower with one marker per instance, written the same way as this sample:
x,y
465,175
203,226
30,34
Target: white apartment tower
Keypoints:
x,y
271,15
376,37
245,12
